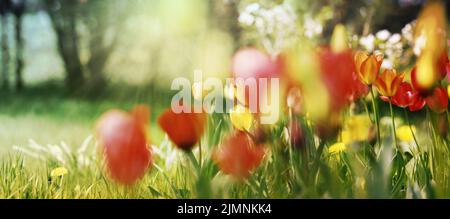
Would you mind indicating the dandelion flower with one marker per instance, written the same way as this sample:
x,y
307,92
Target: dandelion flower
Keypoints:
x,y
59,171
337,148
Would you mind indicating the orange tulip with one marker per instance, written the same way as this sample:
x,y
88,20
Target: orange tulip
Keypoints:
x,y
388,82
123,140
238,155
183,129
368,66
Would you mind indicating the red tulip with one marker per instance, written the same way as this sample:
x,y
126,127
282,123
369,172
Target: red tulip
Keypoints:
x,y
438,100
238,155
407,97
123,140
183,129
448,70
417,102
339,75
443,65
404,96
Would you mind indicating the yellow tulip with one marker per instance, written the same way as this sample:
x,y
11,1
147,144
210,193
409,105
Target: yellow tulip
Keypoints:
x,y
368,66
303,67
339,39
430,28
426,72
241,118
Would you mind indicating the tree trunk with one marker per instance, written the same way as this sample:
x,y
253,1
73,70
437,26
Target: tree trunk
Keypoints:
x,y
64,24
99,56
19,51
226,16
101,46
5,52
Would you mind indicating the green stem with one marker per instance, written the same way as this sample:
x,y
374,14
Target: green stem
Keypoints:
x,y
200,153
317,159
410,128
433,140
375,112
393,123
367,111
194,161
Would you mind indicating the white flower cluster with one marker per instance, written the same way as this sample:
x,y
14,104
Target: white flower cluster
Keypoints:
x,y
165,151
312,28
274,25
391,45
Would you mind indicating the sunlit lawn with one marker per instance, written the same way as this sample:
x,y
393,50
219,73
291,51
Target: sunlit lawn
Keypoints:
x,y
48,116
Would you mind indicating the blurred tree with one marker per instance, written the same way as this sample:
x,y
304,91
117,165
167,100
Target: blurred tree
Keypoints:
x,y
18,9
102,20
225,16
5,6
63,17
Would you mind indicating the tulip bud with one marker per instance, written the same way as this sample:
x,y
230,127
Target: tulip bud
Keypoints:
x,y
426,72
339,39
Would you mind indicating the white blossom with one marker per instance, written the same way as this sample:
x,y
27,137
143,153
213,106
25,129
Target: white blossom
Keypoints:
x,y
383,35
368,42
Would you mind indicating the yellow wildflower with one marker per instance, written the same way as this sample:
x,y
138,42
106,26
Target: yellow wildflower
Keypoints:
x,y
404,133
60,171
356,128
337,148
